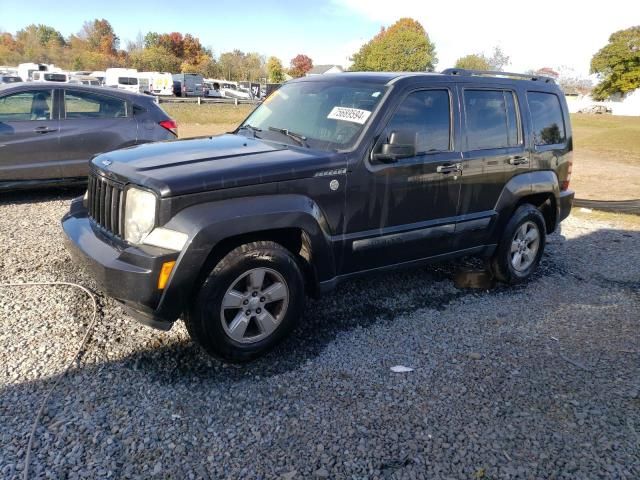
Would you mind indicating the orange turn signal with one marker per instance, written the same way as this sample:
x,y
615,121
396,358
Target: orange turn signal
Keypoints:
x,y
165,273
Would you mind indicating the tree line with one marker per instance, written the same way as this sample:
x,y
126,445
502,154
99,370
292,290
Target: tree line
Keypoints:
x,y
404,46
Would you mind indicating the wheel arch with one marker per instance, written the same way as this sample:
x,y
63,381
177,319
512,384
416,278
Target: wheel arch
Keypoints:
x,y
216,228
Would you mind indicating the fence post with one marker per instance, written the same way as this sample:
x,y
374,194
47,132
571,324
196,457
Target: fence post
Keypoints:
x,y
198,100
236,101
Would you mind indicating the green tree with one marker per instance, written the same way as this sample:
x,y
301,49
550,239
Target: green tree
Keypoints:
x,y
475,61
618,64
275,70
404,46
479,61
154,59
300,65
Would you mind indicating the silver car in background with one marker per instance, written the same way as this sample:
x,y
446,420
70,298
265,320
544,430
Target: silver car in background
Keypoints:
x,y
49,131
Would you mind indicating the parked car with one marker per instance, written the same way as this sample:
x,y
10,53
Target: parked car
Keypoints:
x,y
331,177
50,131
190,84
9,78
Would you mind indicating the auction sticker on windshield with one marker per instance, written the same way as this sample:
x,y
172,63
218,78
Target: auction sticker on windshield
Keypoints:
x,y
354,115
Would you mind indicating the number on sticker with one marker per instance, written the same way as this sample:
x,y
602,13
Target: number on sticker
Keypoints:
x,y
354,115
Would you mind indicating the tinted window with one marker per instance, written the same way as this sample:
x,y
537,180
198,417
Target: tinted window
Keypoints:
x,y
548,125
92,105
426,116
10,79
487,121
127,81
55,77
32,105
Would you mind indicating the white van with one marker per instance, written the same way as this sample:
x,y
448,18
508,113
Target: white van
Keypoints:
x,y
160,83
26,70
122,78
100,75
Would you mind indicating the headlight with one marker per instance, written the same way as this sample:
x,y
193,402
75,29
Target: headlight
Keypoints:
x,y
139,214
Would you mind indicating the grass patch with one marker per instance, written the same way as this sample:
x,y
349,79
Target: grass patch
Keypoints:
x,y
207,114
609,135
625,219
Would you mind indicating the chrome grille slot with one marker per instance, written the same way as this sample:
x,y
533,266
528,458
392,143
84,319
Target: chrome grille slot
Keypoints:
x,y
104,203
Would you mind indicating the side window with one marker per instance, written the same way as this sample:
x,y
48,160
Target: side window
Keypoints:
x,y
92,105
491,119
32,105
425,116
548,124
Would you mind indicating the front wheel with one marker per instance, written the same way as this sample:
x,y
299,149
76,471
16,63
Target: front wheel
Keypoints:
x,y
248,303
521,246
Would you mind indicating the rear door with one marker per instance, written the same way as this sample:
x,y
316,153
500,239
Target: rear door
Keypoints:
x,y
29,137
92,123
494,151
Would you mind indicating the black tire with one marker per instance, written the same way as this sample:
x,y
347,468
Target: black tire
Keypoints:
x,y
204,319
501,262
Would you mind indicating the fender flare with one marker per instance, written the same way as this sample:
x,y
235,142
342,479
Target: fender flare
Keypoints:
x,y
208,224
521,186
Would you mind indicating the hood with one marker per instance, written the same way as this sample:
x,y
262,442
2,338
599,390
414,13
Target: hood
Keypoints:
x,y
181,167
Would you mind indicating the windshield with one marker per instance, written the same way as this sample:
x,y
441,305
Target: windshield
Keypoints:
x,y
328,115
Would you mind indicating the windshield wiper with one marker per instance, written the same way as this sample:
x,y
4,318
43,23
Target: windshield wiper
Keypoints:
x,y
298,138
253,129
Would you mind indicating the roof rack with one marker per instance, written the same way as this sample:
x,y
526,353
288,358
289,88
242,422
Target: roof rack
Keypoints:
x,y
496,73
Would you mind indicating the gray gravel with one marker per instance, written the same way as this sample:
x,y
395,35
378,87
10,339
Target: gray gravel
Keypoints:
x,y
539,381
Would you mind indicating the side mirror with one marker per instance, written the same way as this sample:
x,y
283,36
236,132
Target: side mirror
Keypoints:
x,y
400,145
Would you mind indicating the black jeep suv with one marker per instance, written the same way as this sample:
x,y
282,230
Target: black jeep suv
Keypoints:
x,y
329,178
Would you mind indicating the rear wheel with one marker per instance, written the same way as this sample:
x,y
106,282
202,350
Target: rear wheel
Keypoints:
x,y
521,246
248,303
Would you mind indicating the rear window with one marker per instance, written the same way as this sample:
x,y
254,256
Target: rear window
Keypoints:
x,y
11,79
492,119
91,105
548,123
127,81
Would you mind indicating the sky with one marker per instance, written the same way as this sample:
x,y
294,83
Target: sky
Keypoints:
x,y
542,33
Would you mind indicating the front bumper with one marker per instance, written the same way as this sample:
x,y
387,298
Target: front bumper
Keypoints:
x,y
565,204
127,273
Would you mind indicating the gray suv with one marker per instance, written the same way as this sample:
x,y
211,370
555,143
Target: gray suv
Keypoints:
x,y
49,132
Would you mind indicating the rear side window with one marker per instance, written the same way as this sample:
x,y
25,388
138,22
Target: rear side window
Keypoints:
x,y
426,116
127,81
548,124
92,105
492,119
32,105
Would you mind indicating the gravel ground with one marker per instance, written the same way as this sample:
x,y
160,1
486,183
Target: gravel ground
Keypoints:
x,y
539,381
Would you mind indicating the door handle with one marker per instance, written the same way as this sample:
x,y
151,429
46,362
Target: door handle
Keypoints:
x,y
517,160
44,130
444,169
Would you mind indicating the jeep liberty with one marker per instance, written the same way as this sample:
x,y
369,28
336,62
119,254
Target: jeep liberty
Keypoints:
x,y
331,177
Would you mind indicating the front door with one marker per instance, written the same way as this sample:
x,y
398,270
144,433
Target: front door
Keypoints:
x,y
92,123
28,136
404,210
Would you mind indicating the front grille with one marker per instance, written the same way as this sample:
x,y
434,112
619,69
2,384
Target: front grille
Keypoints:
x,y
104,202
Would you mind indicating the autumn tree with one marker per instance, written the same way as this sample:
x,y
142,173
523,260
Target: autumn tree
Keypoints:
x,y
275,70
238,65
618,64
300,65
404,46
100,37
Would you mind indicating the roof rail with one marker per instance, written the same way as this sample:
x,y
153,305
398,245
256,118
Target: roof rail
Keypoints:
x,y
496,73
